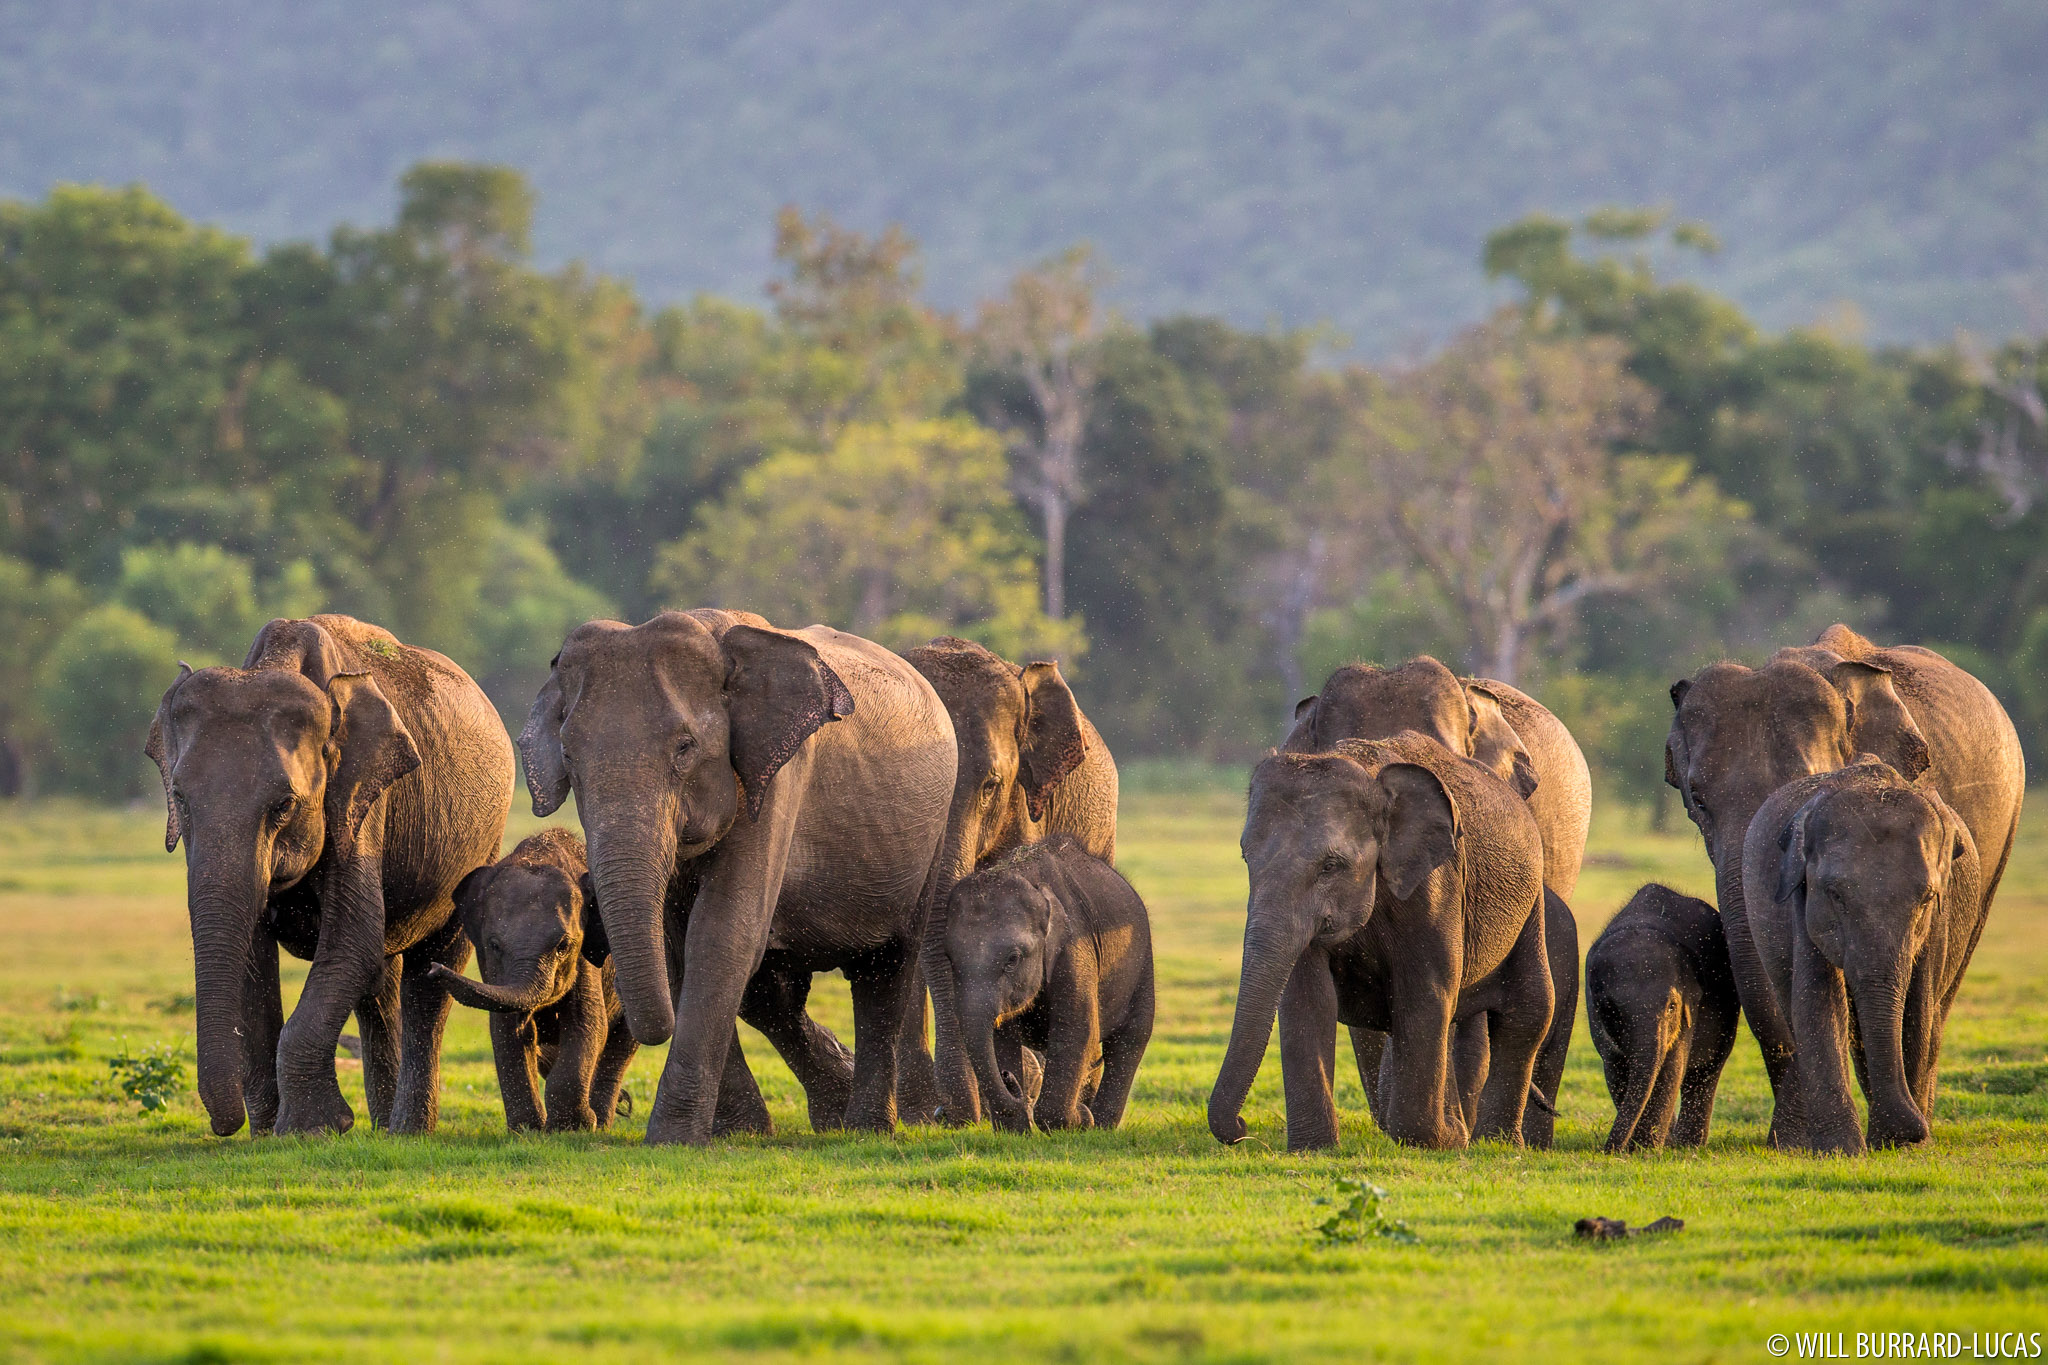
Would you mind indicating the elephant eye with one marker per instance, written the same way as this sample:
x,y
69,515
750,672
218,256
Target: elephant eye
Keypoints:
x,y
1016,956
1333,863
282,811
685,745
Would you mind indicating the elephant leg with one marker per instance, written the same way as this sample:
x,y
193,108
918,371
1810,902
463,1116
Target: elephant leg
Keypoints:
x,y
1920,1036
917,1077
1073,1045
1368,1050
582,1036
1561,941
1121,1053
423,1008
881,1002
377,1019
1308,1052
618,1054
740,1108
1471,1061
774,1003
517,1058
262,1019
1519,1027
1820,1014
1415,1090
1767,1022
348,959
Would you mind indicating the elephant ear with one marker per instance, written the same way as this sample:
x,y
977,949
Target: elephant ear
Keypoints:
x,y
1878,720
596,947
1053,741
469,896
1676,758
370,749
1495,744
540,747
778,693
1792,845
1301,736
158,755
1422,827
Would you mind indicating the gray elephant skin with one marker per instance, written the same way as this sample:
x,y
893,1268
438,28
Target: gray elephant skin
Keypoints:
x,y
1521,742
761,805
1051,941
1865,899
1030,766
547,983
331,793
1395,886
1662,1009
1740,734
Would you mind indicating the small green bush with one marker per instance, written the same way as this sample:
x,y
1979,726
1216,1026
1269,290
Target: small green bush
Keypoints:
x,y
152,1079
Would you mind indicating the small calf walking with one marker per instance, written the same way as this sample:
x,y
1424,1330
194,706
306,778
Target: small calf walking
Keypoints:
x,y
547,980
1051,949
1661,1003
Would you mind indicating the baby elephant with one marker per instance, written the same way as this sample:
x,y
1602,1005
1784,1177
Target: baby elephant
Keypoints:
x,y
1661,1003
1052,949
1864,898
547,980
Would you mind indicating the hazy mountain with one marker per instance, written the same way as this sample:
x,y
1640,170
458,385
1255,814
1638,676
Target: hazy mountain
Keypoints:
x,y
1290,162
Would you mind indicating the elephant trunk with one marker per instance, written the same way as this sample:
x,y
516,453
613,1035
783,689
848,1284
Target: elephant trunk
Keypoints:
x,y
530,995
1880,1004
1009,1105
955,860
1270,953
224,907
631,862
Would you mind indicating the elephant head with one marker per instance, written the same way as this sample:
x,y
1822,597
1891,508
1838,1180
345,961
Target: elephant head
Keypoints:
x,y
265,772
664,731
1325,835
1869,866
528,922
1738,734
1364,701
997,943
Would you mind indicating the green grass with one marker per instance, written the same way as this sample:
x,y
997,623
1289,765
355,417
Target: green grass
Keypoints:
x,y
126,1237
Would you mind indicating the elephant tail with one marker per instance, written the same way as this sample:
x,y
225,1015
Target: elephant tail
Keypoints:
x,y
623,1106
1542,1101
1642,1082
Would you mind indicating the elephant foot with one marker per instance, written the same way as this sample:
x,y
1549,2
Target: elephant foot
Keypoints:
x,y
872,1116
316,1113
917,1094
580,1120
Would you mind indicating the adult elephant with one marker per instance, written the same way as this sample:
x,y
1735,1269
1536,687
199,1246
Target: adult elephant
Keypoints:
x,y
331,793
1030,766
843,759
1522,743
1738,734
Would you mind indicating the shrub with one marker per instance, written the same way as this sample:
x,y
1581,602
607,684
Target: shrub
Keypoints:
x,y
99,687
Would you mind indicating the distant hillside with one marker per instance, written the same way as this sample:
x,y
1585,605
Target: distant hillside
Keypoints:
x,y
1314,160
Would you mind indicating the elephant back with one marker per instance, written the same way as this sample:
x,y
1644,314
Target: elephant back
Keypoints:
x,y
1563,800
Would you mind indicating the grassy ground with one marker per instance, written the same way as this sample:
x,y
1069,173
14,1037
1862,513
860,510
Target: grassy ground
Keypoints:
x,y
129,1236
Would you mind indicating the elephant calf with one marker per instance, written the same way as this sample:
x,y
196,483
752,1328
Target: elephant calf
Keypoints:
x,y
547,981
1865,899
1661,1004
1051,939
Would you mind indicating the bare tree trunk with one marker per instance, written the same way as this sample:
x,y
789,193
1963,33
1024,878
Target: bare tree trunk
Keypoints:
x,y
1054,505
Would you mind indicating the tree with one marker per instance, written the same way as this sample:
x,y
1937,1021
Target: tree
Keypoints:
x,y
900,531
1490,467
100,686
1042,331
34,610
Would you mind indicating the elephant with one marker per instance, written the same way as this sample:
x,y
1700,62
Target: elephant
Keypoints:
x,y
1395,886
761,805
1865,897
331,792
1050,939
1522,743
1738,734
547,983
1030,765
1662,1008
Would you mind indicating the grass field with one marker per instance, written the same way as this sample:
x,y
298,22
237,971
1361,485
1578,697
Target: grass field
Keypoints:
x,y
126,1236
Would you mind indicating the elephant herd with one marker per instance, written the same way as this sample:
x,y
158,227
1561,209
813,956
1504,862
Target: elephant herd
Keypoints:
x,y
762,805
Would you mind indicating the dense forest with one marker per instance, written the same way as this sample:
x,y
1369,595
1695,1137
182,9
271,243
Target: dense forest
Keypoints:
x,y
1310,162
1609,481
